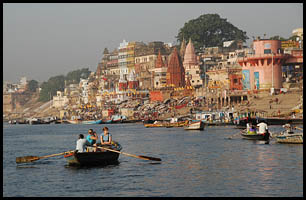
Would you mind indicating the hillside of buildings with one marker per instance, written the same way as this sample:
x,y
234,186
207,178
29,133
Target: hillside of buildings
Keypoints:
x,y
157,80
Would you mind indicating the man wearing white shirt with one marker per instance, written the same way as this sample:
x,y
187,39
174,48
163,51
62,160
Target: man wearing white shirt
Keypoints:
x,y
262,127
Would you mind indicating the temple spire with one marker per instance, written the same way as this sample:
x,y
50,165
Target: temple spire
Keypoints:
x,y
159,61
183,49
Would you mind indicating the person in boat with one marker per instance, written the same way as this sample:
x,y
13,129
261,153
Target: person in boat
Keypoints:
x,y
81,144
250,128
106,137
288,127
92,138
263,129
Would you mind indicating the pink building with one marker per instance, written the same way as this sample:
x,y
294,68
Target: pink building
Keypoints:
x,y
257,72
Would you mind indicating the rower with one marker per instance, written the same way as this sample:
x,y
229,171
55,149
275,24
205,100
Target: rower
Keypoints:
x,y
289,128
263,129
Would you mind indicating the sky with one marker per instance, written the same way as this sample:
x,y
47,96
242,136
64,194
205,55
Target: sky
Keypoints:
x,y
41,40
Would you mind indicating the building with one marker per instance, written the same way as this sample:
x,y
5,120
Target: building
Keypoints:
x,y
145,61
160,72
60,100
175,72
122,59
84,90
263,69
191,66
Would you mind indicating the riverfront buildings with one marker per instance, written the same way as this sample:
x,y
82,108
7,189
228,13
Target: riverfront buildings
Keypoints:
x,y
158,71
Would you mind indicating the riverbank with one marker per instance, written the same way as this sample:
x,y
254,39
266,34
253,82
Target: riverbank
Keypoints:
x,y
281,105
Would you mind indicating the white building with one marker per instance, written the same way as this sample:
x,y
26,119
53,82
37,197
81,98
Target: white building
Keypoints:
x,y
84,90
60,100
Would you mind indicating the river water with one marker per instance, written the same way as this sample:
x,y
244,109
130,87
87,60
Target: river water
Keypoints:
x,y
194,164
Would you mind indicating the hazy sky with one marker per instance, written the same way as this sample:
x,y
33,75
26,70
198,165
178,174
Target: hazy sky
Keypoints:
x,y
45,40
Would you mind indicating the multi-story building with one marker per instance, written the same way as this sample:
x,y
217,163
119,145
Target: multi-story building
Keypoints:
x,y
122,59
112,64
159,73
145,60
263,69
84,90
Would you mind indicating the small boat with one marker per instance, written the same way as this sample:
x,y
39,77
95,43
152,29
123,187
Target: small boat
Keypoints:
x,y
195,126
90,158
155,125
294,138
73,121
92,122
255,136
12,121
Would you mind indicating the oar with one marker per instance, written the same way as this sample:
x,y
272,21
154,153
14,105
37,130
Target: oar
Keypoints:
x,y
299,128
234,135
135,156
26,159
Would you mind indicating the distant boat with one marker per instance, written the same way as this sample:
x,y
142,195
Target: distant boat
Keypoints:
x,y
195,126
73,121
92,122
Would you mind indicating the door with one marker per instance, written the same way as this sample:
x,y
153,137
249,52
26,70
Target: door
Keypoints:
x,y
256,80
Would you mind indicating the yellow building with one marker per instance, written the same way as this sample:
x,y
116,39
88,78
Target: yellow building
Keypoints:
x,y
131,56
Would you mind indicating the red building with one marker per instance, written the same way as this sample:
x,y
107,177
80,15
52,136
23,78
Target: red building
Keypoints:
x,y
175,71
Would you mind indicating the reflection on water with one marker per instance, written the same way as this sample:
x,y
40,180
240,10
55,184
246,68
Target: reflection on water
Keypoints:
x,y
193,164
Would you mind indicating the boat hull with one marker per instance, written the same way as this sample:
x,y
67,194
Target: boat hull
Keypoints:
x,y
195,126
255,136
98,158
290,138
92,122
73,121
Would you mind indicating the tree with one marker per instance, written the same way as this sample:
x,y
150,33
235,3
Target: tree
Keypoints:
x,y
32,85
74,76
277,37
210,30
57,83
49,89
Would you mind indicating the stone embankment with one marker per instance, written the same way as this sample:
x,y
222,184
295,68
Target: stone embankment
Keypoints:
x,y
276,105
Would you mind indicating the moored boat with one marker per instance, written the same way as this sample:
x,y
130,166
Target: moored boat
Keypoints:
x,y
90,158
92,122
195,126
294,138
73,121
154,125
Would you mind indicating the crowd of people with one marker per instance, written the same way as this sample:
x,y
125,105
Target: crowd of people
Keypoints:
x,y
93,140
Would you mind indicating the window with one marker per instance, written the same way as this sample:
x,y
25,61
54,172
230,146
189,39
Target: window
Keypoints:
x,y
235,81
267,51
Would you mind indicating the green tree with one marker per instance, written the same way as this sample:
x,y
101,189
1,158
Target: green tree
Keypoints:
x,y
32,85
49,89
74,76
210,30
277,37
57,83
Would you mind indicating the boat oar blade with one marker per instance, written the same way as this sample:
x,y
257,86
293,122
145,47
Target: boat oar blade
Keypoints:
x,y
150,158
26,159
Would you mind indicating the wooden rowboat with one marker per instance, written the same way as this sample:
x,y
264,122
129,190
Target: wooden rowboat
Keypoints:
x,y
255,136
294,138
90,158
195,126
